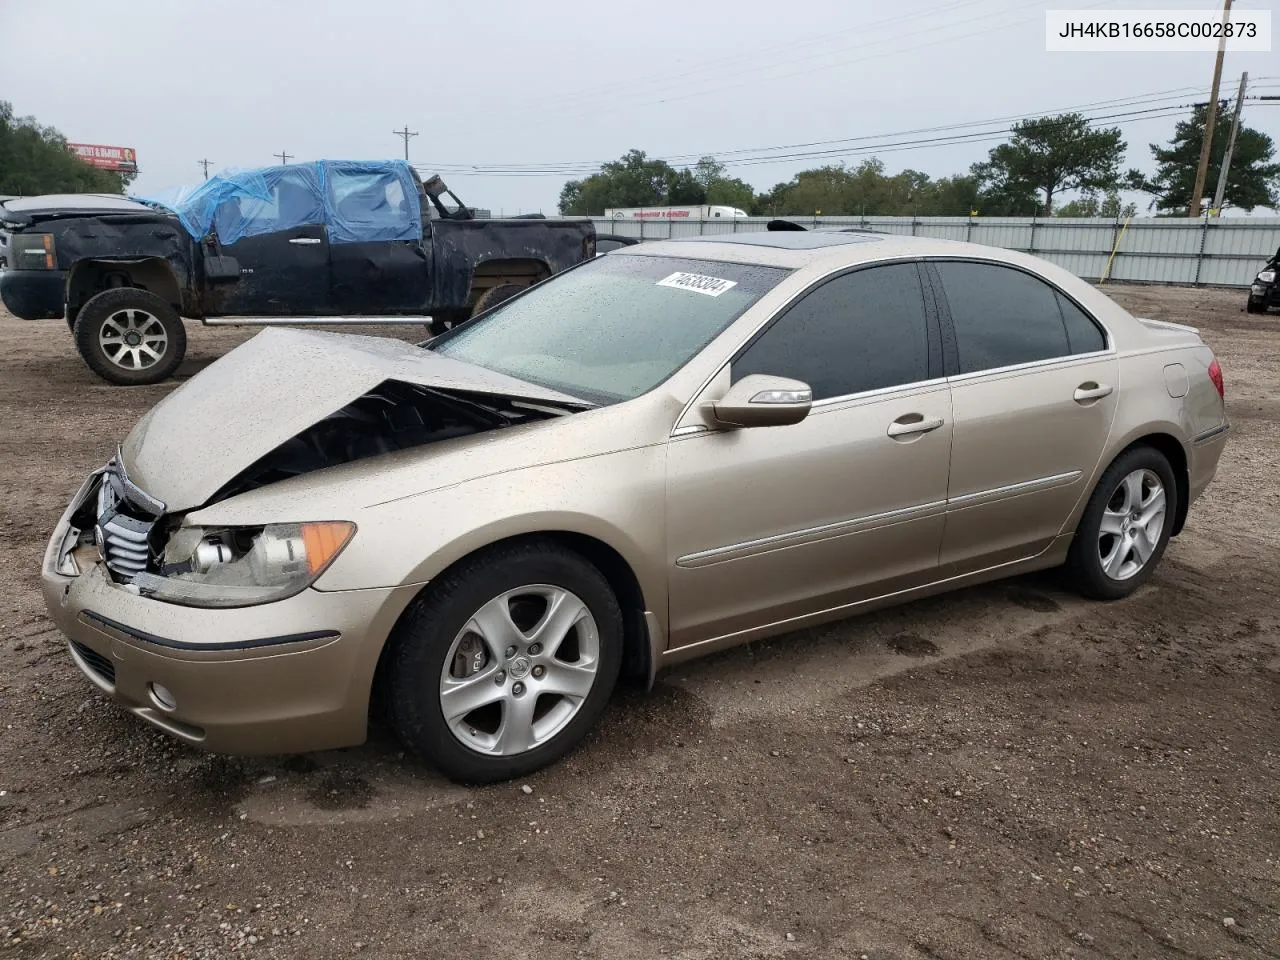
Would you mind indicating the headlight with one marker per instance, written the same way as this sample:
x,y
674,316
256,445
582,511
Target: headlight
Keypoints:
x,y
1267,276
242,566
33,251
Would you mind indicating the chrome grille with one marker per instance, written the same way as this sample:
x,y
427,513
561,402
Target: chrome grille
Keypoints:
x,y
126,516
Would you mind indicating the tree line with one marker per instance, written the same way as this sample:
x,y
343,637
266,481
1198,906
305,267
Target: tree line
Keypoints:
x,y
1044,159
34,159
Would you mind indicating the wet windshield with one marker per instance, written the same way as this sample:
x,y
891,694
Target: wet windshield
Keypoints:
x,y
613,328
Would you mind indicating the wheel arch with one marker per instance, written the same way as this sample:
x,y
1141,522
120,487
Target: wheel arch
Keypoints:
x,y
1173,450
153,274
643,638
497,271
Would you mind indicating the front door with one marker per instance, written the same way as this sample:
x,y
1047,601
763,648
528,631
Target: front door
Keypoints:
x,y
769,524
1034,394
282,249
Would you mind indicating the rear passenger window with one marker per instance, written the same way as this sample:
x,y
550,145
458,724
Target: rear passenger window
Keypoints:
x,y
1083,335
1002,316
862,331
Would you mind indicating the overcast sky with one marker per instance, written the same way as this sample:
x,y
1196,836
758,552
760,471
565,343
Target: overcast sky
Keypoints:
x,y
567,83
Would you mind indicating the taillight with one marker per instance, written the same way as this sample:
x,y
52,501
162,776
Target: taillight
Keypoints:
x,y
1215,374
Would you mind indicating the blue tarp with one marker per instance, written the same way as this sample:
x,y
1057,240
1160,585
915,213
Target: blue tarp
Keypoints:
x,y
356,200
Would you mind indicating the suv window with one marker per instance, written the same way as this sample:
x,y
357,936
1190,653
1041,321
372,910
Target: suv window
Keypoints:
x,y
1002,316
861,331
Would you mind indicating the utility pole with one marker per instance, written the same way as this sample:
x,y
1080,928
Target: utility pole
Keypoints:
x,y
205,164
284,157
1202,171
1220,193
405,134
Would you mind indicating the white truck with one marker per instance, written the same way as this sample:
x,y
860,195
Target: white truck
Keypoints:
x,y
673,213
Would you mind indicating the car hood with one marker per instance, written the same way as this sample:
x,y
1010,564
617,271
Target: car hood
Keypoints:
x,y
270,389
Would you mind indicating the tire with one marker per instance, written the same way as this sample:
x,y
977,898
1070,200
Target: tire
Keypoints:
x,y
494,296
1110,565
1255,306
454,642
105,327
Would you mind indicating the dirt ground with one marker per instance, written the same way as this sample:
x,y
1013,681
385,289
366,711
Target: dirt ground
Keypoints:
x,y
1004,772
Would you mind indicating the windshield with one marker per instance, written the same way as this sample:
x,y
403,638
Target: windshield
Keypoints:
x,y
613,328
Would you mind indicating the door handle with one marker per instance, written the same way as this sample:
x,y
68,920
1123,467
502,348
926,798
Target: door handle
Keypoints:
x,y
1090,391
306,241
911,424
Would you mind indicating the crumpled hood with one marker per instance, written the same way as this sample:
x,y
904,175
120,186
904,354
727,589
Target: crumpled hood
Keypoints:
x,y
268,390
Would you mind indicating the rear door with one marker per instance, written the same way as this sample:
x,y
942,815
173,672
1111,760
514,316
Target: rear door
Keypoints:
x,y
1034,390
282,249
383,275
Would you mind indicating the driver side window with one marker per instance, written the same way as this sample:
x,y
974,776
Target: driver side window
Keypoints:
x,y
862,331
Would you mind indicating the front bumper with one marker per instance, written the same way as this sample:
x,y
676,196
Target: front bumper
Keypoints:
x,y
34,294
282,677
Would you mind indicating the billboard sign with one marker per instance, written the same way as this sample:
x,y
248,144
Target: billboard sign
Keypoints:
x,y
120,159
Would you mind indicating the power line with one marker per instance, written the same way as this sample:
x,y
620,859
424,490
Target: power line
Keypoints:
x,y
205,164
883,144
284,157
405,134
763,152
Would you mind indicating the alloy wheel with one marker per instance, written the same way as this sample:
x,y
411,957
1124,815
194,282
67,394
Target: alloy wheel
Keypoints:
x,y
519,670
133,339
1132,524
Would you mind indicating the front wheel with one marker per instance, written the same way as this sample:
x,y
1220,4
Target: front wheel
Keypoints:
x,y
1125,526
130,336
503,665
1255,306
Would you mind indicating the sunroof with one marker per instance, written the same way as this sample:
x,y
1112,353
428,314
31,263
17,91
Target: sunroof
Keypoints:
x,y
786,239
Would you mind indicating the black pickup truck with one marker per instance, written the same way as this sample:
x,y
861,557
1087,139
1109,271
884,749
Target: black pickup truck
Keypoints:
x,y
329,242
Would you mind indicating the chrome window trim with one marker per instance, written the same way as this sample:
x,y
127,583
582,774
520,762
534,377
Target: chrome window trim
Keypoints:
x,y
813,285
1032,365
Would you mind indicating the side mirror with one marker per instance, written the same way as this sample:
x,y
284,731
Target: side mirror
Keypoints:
x,y
761,401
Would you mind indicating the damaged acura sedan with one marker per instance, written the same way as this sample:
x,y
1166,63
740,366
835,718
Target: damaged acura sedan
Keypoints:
x,y
662,452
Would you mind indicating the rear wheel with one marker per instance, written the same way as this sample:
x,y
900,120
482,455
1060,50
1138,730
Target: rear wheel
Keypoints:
x,y
494,296
130,336
1125,527
503,666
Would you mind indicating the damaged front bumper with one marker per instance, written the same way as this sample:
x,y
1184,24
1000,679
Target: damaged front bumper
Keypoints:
x,y
283,677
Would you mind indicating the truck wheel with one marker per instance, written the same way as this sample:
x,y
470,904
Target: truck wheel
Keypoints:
x,y
494,296
129,336
1255,306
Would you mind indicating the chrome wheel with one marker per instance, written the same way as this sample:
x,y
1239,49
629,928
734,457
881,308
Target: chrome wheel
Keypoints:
x,y
133,339
1131,524
519,670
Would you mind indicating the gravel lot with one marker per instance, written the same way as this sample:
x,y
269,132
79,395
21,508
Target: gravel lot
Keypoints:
x,y
1004,772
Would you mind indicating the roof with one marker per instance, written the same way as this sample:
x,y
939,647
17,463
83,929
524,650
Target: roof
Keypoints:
x,y
786,239
97,202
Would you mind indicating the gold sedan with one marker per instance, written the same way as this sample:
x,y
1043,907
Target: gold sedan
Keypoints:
x,y
665,451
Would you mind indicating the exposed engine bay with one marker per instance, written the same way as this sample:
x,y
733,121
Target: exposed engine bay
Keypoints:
x,y
151,552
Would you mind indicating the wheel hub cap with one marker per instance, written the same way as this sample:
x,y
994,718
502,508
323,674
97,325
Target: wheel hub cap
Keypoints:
x,y
519,667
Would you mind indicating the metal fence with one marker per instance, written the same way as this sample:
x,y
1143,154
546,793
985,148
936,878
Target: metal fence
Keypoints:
x,y
1224,252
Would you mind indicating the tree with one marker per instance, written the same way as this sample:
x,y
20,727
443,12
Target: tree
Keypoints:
x,y
1090,204
633,180
722,189
1052,154
1252,181
35,160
